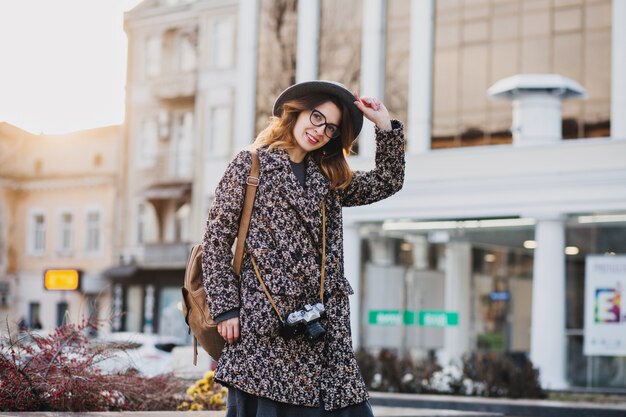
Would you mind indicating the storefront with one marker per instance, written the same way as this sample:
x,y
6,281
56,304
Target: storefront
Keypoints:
x,y
147,300
449,287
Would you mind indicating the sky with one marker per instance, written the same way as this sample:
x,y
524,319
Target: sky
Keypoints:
x,y
62,63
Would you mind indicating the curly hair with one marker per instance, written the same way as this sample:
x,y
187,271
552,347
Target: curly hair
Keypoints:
x,y
331,158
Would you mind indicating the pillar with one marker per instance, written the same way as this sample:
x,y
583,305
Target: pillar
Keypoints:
x,y
547,336
307,60
372,65
352,270
618,70
422,36
457,299
247,34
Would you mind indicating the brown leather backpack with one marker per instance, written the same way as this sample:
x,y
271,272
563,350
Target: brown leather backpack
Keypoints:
x,y
195,306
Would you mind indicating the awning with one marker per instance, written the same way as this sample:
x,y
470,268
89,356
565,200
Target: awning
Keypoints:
x,y
122,271
167,192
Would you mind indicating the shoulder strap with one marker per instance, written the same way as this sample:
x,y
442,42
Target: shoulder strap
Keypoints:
x,y
252,182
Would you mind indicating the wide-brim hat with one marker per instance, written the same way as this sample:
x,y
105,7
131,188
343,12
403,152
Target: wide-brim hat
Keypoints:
x,y
331,88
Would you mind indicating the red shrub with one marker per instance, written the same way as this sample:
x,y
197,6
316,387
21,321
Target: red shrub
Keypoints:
x,y
59,373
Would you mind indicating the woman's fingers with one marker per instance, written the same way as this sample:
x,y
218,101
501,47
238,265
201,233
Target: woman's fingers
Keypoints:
x,y
229,329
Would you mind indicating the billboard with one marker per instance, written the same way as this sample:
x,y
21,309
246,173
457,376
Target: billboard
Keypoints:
x,y
605,310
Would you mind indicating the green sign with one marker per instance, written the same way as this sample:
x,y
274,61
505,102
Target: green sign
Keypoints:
x,y
438,318
392,317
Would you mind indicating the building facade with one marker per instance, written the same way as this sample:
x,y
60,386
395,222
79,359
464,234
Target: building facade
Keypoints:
x,y
513,180
57,210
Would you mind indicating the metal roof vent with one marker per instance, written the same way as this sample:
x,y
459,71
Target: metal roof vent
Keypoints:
x,y
536,105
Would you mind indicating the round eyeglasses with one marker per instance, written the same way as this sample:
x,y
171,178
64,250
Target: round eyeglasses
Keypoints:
x,y
318,119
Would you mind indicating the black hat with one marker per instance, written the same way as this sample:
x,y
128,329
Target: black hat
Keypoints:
x,y
322,87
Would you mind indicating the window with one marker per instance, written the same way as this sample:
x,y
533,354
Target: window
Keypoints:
x,y
37,243
181,224
223,43
186,52
147,225
153,56
62,311
220,130
93,228
181,146
65,242
147,144
141,223
479,43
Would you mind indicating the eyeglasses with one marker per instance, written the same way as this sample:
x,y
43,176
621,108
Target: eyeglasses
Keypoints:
x,y
318,119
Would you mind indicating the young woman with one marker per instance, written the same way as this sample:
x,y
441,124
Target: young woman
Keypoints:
x,y
295,245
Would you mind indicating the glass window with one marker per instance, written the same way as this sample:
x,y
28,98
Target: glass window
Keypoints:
x,y
181,224
171,321
220,130
181,145
148,141
66,233
410,271
94,231
223,43
38,234
479,43
133,307
186,52
153,50
590,234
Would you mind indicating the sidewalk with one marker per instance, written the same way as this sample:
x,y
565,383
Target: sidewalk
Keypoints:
x,y
379,411
502,406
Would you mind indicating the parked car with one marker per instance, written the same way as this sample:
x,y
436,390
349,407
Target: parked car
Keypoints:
x,y
148,354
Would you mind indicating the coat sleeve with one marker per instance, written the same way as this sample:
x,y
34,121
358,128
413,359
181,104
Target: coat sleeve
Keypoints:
x,y
387,178
220,282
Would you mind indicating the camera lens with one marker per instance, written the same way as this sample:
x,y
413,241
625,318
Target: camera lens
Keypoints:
x,y
314,331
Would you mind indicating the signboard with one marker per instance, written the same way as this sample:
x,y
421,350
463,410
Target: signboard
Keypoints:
x,y
500,296
408,318
61,279
438,318
605,312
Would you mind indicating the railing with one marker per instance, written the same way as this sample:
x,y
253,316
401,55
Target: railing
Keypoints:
x,y
170,254
172,86
169,168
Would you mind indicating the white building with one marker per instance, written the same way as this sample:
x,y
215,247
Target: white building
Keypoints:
x,y
503,199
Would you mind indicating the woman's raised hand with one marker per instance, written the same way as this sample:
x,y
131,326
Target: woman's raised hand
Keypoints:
x,y
374,110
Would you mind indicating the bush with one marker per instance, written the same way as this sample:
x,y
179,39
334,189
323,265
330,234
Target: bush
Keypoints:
x,y
503,376
59,373
205,394
482,374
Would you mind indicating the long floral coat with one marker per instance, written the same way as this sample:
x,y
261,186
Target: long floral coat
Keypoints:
x,y
285,239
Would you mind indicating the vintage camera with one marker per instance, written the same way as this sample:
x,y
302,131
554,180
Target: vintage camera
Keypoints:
x,y
305,321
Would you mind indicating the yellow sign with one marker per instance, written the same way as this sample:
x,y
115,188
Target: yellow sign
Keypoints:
x,y
62,279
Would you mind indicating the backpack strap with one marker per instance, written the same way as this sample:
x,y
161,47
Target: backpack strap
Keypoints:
x,y
252,182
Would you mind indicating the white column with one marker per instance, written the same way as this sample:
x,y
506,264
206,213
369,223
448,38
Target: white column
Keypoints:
x,y
618,70
307,60
352,270
247,34
547,335
372,65
457,299
421,76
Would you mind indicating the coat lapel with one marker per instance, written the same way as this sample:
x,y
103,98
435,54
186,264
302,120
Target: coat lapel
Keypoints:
x,y
277,173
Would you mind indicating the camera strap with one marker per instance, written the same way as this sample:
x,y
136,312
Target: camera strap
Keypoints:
x,y
323,272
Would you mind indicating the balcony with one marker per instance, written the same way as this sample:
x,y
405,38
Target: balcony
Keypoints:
x,y
174,86
166,168
171,255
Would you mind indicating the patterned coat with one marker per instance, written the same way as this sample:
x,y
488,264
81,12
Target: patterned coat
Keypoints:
x,y
285,240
